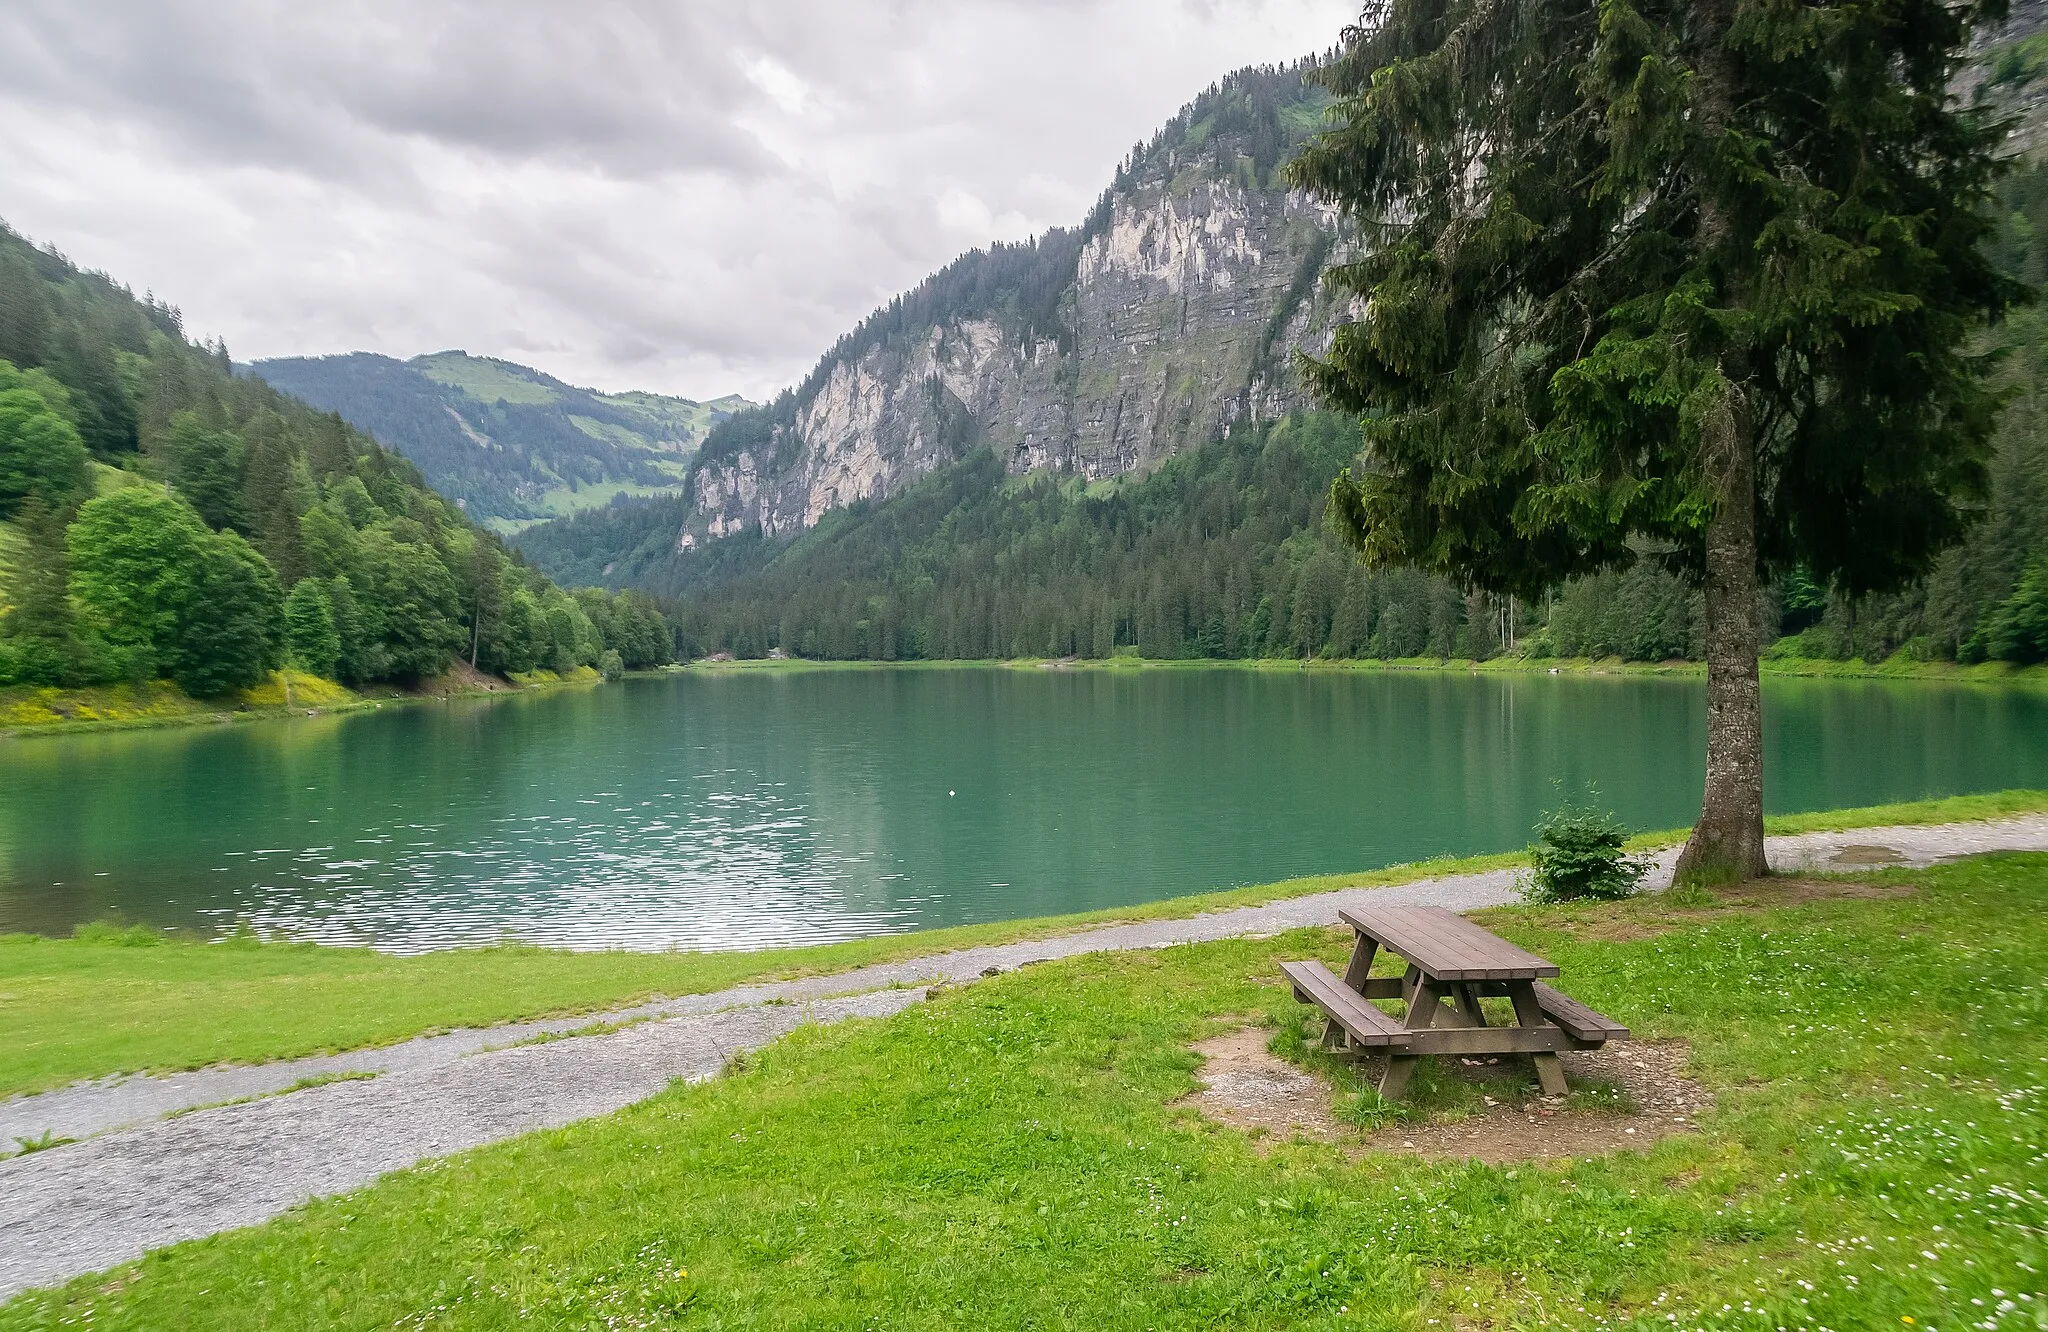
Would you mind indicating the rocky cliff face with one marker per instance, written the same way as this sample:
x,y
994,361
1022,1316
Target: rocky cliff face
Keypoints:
x,y
1169,314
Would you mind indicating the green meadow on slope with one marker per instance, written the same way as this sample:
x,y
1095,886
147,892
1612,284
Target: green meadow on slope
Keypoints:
x,y
1010,1154
512,445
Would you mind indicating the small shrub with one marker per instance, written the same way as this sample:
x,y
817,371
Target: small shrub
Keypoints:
x,y
611,666
1578,857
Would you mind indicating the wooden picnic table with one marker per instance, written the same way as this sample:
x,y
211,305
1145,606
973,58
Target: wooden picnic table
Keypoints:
x,y
1452,965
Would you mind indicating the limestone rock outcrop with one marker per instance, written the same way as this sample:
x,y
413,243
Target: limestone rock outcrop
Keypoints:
x,y
1171,313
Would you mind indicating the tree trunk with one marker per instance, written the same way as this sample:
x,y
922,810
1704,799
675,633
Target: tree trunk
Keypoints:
x,y
1727,844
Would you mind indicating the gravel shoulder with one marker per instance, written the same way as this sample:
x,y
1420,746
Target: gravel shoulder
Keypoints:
x,y
136,1180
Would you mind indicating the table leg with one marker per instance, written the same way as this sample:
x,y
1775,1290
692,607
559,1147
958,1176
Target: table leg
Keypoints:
x,y
1529,1013
1467,999
1425,997
1362,953
1393,1082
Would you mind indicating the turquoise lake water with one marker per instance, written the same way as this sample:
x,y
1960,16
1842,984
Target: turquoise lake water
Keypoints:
x,y
743,809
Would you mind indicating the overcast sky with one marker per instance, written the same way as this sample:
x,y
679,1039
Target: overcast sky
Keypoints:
x,y
695,198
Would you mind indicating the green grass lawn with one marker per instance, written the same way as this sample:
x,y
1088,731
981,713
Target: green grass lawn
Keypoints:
x,y
117,1001
1009,1155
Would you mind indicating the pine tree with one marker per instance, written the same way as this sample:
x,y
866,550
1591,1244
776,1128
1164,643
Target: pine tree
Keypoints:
x,y
24,310
84,364
231,633
485,595
39,627
311,642
1689,277
206,466
276,489
352,663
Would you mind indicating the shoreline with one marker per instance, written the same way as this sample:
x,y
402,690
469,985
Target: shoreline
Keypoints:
x,y
1995,674
158,705
182,710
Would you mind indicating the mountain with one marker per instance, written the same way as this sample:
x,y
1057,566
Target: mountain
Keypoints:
x,y
508,443
1093,351
1094,443
1096,351
162,516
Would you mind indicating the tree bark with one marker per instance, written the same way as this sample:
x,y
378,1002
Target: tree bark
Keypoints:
x,y
1727,844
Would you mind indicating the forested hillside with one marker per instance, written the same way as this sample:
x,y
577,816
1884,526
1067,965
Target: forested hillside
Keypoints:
x,y
510,444
1222,552
1218,553
162,517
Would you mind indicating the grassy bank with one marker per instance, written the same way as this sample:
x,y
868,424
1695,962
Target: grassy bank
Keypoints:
x,y
27,710
114,1000
1010,1154
1897,668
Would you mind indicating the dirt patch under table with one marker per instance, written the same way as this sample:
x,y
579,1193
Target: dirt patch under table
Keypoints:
x,y
1247,1087
1527,1127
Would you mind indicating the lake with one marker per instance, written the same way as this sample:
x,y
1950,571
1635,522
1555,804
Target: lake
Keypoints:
x,y
742,809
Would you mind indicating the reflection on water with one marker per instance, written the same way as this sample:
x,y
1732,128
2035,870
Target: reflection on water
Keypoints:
x,y
744,810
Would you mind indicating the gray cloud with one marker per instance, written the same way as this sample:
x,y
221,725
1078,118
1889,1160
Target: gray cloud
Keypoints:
x,y
691,197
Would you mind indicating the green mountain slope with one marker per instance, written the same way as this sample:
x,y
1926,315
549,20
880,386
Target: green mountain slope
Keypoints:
x,y
165,517
510,444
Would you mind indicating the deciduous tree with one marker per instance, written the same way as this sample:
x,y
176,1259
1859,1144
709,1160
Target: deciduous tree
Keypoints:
x,y
135,562
40,454
418,610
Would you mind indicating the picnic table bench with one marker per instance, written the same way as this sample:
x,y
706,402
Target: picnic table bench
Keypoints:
x,y
1452,965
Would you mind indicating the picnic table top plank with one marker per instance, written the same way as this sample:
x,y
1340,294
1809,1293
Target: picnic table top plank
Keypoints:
x,y
1454,947
1425,928
1446,945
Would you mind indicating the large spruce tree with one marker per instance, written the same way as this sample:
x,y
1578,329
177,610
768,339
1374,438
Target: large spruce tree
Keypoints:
x,y
1687,280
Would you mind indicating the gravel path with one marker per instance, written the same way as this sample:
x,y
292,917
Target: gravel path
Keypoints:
x,y
137,1180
